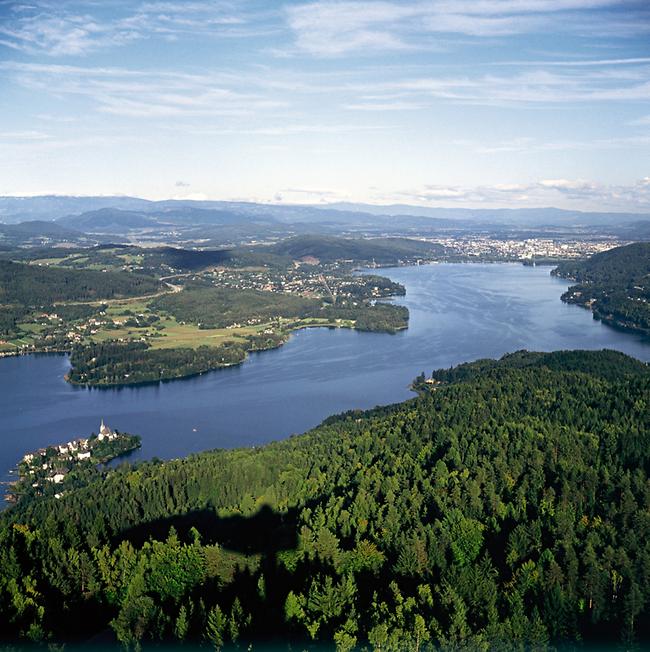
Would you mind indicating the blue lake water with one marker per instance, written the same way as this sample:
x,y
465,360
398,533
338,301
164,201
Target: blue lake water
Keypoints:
x,y
458,313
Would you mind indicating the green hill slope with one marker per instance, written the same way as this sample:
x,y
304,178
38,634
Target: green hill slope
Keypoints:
x,y
614,284
32,285
330,248
508,506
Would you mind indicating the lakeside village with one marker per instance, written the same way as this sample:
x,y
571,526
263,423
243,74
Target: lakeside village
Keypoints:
x,y
50,471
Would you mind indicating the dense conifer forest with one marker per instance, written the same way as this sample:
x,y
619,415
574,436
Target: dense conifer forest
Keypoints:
x,y
507,504
32,285
614,284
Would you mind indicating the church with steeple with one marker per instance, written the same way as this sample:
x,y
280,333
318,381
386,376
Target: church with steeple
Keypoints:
x,y
105,433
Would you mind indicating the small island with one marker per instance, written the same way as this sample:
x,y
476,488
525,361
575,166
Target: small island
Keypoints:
x,y
53,470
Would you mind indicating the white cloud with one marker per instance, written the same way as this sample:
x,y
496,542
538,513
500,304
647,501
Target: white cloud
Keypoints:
x,y
527,87
567,185
384,106
567,193
331,28
52,29
529,144
142,94
62,35
18,136
578,63
192,196
308,195
283,130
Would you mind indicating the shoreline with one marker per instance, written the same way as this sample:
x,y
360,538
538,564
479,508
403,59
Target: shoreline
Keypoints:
x,y
359,270
143,383
53,465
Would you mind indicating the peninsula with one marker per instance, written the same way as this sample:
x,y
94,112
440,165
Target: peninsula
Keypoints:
x,y
54,470
614,285
130,315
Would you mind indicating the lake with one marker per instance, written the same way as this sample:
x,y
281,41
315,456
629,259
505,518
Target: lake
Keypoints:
x,y
459,312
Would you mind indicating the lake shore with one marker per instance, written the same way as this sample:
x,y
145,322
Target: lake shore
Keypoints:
x,y
457,313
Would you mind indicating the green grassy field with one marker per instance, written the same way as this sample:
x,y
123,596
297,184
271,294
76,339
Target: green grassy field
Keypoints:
x,y
31,328
177,335
167,332
119,308
48,261
171,334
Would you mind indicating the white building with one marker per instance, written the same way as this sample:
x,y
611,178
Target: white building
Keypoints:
x,y
105,432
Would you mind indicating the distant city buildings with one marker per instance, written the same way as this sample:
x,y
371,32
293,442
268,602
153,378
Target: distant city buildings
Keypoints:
x,y
525,249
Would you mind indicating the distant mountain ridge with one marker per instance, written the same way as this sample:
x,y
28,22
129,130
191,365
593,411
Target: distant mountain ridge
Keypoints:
x,y
548,216
116,219
108,220
53,207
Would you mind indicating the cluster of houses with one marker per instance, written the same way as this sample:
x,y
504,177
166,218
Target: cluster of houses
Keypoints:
x,y
79,449
42,469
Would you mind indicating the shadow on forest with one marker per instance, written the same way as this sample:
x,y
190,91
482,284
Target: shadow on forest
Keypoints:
x,y
265,532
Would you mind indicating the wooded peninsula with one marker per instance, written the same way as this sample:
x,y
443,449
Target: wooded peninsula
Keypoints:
x,y
614,285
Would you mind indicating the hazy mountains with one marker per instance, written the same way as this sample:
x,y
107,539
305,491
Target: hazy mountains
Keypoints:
x,y
40,233
213,223
515,216
52,207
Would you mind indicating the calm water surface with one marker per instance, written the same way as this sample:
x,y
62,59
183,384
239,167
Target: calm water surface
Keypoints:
x,y
458,313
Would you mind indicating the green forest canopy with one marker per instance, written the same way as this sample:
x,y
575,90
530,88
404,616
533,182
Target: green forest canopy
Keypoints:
x,y
614,284
218,308
619,266
33,285
509,504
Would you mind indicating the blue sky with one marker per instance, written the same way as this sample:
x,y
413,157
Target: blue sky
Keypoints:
x,y
477,103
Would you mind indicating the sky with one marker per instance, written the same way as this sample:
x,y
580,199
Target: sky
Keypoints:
x,y
466,103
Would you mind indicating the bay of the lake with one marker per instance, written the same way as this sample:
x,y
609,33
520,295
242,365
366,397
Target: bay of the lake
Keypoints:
x,y
458,312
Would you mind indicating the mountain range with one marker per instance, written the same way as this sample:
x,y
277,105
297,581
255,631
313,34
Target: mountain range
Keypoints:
x,y
216,223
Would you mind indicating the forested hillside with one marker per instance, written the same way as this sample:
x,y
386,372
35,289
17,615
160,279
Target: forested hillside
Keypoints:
x,y
151,261
506,505
614,284
216,308
35,233
330,248
32,285
617,266
24,288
